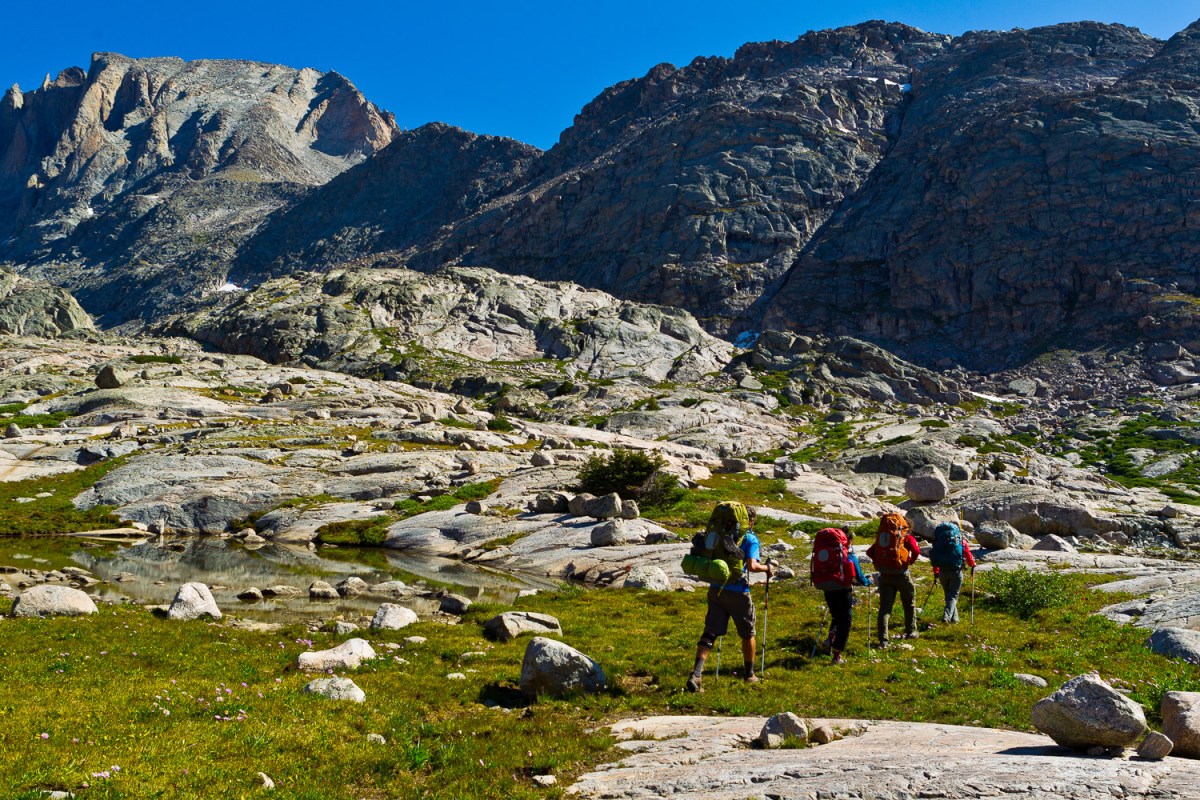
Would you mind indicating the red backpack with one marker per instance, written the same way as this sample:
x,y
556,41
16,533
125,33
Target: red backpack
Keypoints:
x,y
891,553
830,568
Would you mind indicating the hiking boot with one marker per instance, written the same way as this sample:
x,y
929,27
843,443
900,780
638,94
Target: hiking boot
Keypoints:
x,y
912,635
884,644
751,678
838,660
693,685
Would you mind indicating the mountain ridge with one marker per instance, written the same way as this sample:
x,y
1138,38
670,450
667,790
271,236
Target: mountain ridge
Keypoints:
x,y
971,198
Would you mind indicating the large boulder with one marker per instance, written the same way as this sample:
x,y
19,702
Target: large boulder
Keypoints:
x,y
392,617
320,590
1054,544
347,655
110,378
193,601
336,689
1086,712
609,534
780,727
511,624
53,601
648,576
1000,535
1178,643
927,484
1181,722
555,669
605,507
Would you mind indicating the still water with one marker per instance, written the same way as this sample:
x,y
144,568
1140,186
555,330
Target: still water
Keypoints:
x,y
150,570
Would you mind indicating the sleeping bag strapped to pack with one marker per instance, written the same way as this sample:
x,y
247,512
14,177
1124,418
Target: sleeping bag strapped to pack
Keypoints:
x,y
829,569
891,553
716,554
947,550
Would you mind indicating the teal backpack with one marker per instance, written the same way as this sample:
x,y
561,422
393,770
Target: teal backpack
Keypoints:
x,y
947,550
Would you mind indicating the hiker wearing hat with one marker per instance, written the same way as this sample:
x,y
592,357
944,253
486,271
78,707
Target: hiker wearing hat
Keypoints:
x,y
729,540
835,570
894,551
949,555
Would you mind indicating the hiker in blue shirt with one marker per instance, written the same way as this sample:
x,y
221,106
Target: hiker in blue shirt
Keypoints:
x,y
731,600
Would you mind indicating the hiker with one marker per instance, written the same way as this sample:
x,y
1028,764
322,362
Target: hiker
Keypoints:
x,y
894,551
835,570
729,547
949,554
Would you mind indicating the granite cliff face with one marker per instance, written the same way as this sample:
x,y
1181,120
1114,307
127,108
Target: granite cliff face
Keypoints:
x,y
133,182
1044,190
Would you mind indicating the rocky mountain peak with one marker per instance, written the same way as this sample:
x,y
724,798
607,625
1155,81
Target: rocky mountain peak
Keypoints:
x,y
158,156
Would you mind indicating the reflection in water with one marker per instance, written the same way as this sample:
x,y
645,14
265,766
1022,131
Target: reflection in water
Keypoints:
x,y
152,570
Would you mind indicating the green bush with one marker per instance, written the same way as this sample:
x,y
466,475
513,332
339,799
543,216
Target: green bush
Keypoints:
x,y
623,472
1025,593
661,490
500,424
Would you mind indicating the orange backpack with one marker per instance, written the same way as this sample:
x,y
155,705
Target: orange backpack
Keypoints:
x,y
890,553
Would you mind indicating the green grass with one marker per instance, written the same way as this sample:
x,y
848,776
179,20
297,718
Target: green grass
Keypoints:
x,y
1111,452
55,514
691,510
98,687
30,421
153,359
356,532
832,439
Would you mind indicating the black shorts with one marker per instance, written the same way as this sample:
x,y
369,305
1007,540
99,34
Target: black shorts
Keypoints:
x,y
724,604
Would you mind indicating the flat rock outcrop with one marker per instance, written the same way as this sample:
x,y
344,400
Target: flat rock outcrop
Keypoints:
x,y
711,757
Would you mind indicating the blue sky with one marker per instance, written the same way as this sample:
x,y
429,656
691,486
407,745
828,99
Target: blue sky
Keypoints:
x,y
507,67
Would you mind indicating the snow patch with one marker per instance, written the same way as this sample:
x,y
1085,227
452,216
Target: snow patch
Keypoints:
x,y
230,287
746,339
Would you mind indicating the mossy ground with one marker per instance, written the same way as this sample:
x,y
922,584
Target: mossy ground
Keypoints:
x,y
98,688
55,514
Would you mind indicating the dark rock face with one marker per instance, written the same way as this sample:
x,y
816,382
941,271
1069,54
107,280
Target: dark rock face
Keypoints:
x,y
133,183
426,178
696,187
1044,187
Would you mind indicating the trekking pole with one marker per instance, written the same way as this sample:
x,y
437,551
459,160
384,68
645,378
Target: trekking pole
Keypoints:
x,y
766,616
821,627
717,677
867,626
928,597
972,595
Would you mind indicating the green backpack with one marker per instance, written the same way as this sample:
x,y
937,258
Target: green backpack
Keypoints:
x,y
716,554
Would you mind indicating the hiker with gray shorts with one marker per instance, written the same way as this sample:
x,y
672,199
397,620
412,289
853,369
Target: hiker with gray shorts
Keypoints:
x,y
731,600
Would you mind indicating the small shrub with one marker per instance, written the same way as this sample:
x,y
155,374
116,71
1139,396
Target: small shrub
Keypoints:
x,y
934,423
1025,593
661,490
475,491
997,466
298,380
968,440
623,472
500,424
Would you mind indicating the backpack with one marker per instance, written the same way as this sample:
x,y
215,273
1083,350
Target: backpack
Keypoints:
x,y
830,568
716,554
947,550
890,553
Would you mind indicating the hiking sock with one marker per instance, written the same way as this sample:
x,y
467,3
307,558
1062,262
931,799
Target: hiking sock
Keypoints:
x,y
749,667
698,668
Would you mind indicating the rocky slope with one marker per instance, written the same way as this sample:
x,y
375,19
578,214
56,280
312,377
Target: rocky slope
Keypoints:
x,y
132,182
455,325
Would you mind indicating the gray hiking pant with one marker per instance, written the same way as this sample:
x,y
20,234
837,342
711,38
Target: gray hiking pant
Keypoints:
x,y
951,580
891,584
